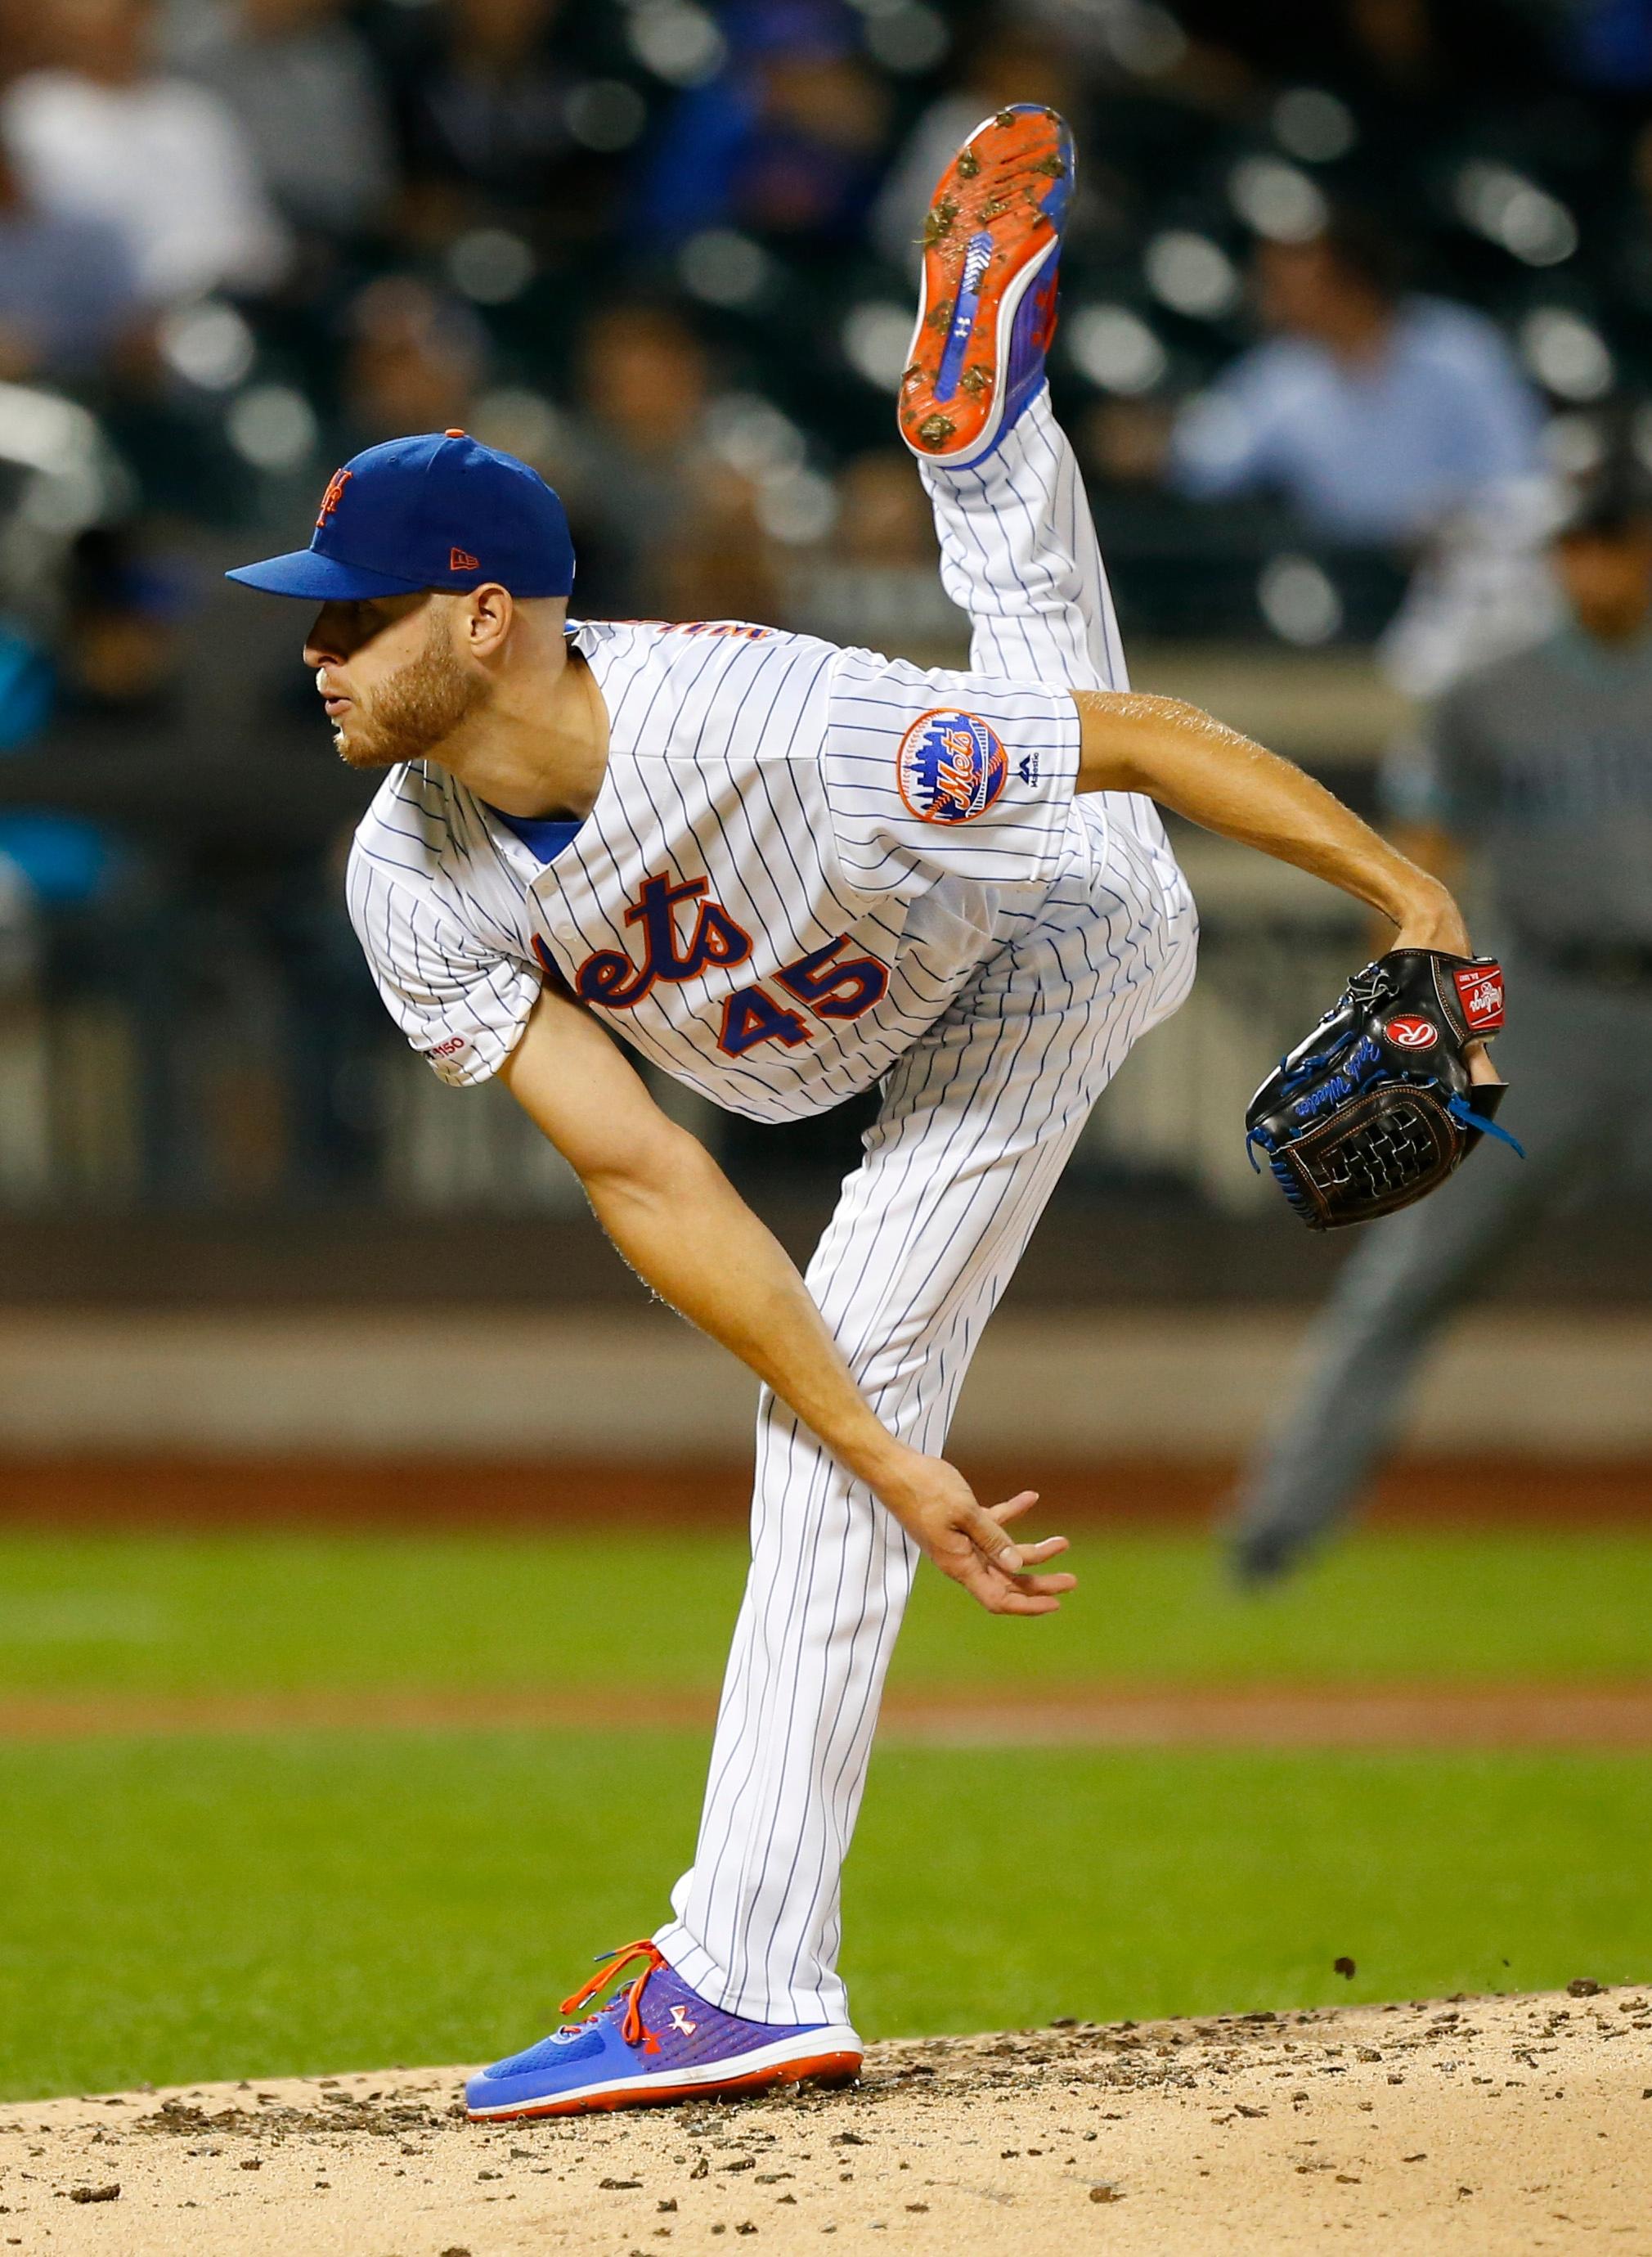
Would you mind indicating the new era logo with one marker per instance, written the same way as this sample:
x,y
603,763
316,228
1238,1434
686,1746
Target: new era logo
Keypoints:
x,y
461,560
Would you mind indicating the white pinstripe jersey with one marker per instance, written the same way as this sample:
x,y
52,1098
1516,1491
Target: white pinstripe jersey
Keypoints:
x,y
797,857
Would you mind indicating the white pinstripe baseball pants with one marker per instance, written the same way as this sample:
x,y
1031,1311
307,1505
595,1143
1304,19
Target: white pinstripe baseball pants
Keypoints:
x,y
977,1123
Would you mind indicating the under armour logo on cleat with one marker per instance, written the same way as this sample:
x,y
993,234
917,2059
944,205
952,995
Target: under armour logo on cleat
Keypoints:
x,y
680,2021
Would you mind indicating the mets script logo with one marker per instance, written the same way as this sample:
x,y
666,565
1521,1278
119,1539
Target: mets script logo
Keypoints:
x,y
950,767
333,495
1407,1033
831,984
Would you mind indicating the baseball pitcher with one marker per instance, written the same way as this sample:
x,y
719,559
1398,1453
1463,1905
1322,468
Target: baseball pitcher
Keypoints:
x,y
785,873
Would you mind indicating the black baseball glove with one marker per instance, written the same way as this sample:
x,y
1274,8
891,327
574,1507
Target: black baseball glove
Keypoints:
x,y
1377,1106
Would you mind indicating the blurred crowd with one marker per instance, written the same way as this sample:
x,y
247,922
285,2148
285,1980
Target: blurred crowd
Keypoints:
x,y
1353,287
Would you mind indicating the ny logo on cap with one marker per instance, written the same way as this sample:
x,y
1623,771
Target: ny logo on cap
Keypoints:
x,y
333,495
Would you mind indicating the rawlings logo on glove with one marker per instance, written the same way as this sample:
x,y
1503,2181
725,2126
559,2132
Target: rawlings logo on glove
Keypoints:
x,y
1378,1105
1479,990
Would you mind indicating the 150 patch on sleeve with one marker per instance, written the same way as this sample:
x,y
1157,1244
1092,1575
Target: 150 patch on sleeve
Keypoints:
x,y
950,767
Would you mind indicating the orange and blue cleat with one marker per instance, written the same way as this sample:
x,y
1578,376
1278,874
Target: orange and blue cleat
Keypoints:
x,y
991,244
656,2042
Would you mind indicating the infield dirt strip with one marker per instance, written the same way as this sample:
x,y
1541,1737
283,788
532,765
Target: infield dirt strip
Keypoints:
x,y
1487,2127
1290,1715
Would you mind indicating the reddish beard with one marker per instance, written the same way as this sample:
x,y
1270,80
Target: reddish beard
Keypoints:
x,y
415,712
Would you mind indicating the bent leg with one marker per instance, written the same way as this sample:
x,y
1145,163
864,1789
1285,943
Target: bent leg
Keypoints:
x,y
975,1126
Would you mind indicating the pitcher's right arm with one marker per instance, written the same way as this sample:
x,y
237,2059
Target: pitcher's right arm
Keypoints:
x,y
685,1231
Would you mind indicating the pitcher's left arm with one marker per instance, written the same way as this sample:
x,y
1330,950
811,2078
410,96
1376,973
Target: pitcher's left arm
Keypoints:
x,y
1197,767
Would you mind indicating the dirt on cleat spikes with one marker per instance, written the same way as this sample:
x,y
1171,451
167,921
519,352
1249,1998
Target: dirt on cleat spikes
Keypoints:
x,y
975,381
993,206
969,163
1005,118
1053,165
939,223
939,317
935,430
913,374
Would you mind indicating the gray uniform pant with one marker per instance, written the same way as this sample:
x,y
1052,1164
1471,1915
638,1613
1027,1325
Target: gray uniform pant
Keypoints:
x,y
1577,1057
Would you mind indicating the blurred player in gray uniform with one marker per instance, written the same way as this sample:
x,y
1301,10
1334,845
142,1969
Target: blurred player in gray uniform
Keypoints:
x,y
1538,771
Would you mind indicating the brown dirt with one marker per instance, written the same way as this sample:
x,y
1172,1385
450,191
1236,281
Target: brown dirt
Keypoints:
x,y
1485,2127
1410,1715
207,1492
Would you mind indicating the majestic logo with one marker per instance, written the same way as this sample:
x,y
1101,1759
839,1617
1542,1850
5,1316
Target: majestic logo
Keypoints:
x,y
461,560
950,767
1407,1033
333,495
1479,990
680,2021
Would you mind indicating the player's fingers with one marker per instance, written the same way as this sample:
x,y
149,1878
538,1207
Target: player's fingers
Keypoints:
x,y
1017,1601
989,1539
1012,1507
1013,1595
1000,1589
1046,1586
1048,1547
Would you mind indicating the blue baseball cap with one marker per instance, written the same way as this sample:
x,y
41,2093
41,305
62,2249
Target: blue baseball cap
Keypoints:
x,y
439,511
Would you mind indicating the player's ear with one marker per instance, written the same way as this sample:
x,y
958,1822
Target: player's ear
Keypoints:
x,y
485,620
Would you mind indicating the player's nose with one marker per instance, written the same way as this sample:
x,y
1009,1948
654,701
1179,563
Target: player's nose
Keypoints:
x,y
324,644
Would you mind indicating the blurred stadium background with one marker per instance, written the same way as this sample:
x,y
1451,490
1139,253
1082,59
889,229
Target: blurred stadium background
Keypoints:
x,y
256,1267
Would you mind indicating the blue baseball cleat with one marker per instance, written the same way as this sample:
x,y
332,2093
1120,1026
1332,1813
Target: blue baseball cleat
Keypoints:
x,y
986,312
654,2042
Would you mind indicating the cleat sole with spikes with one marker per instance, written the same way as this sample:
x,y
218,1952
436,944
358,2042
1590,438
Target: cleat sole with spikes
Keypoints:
x,y
991,242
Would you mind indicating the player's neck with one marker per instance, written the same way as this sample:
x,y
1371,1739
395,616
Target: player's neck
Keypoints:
x,y
539,746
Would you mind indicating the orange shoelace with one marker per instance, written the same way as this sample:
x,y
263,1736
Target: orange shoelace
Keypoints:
x,y
631,2029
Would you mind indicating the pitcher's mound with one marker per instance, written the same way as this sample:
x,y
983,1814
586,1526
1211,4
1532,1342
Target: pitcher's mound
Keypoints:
x,y
1494,2126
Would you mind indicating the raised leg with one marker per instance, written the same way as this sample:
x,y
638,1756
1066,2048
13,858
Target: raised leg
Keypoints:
x,y
1018,553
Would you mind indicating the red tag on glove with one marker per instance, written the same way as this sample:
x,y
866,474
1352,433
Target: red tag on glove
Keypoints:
x,y
1479,990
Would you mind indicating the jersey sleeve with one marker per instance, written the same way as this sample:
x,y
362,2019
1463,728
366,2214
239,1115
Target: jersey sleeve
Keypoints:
x,y
935,774
462,1003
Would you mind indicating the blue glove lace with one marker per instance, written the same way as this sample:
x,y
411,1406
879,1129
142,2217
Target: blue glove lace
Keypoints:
x,y
1461,1110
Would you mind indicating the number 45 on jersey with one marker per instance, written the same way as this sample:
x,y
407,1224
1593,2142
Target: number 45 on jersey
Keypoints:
x,y
827,983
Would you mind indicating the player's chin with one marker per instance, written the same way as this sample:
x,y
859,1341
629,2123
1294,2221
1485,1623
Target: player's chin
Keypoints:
x,y
360,747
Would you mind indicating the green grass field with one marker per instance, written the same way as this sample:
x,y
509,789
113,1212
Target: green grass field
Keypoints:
x,y
189,1906
274,1612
